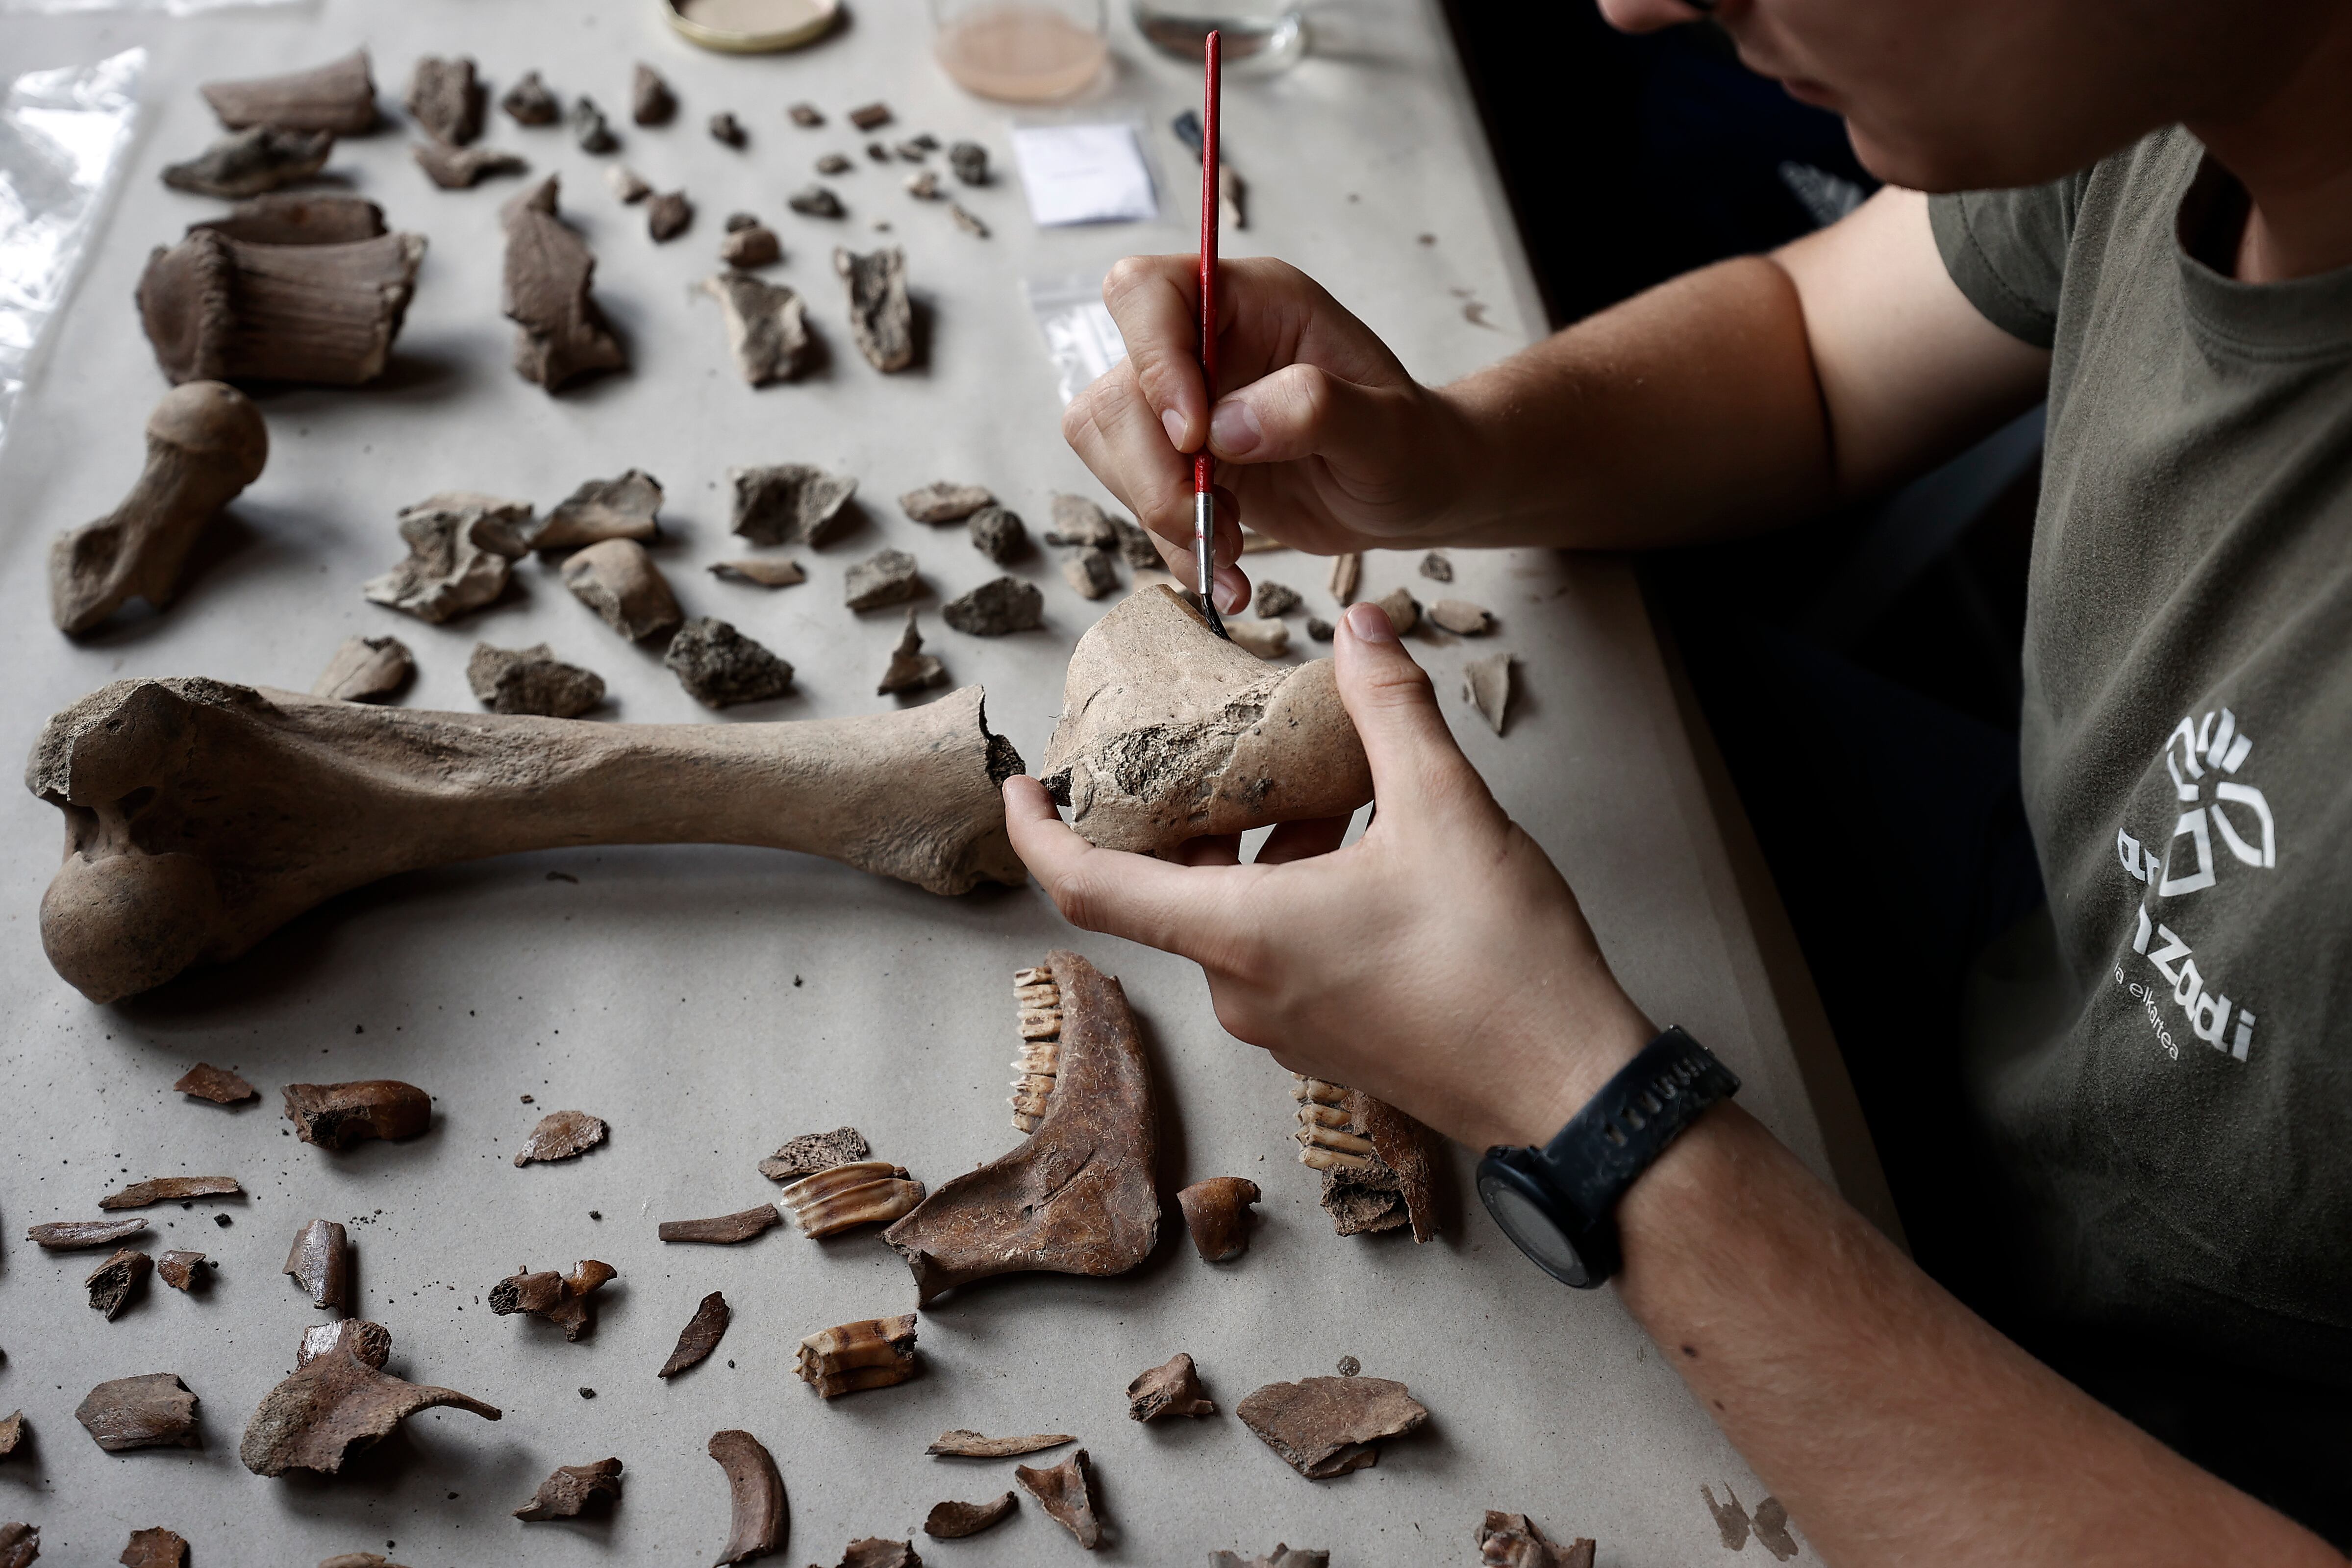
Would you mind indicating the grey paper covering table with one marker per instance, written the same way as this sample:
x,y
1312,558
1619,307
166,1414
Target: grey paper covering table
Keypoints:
x,y
709,1002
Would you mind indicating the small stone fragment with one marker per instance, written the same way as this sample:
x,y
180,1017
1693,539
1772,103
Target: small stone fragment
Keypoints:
x,y
461,552
997,533
154,1547
875,1552
447,99
112,1284
217,1084
650,100
457,168
1487,685
1435,567
364,670
181,1270
963,1444
815,202
700,1335
1461,617
155,1411
320,1262
873,1353
169,1190
805,116
913,150
764,573
833,164
1280,1557
528,102
868,116
77,1235
588,127
626,184
1346,569
1267,639
250,162
767,324
1216,1211
668,216
945,501
560,1299
1348,1366
568,1493
627,508
789,503
1512,1540
1093,573
1325,1426
337,1115
925,186
560,1135
1078,521
967,220
719,666
619,581
813,1152
753,245
12,1434
911,669
1173,1388
531,679
20,1544
726,1229
955,1520
1275,600
878,151
1067,1493
1318,629
997,609
969,161
1404,610
881,319
1135,545
726,128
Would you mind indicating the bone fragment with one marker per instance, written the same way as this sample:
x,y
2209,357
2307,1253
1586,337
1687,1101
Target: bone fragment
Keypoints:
x,y
668,216
338,1403
806,116
338,97
1168,732
700,1335
75,1235
1376,1160
217,1084
1512,1540
337,1115
728,130
651,102
1318,629
1403,610
1346,569
181,1270
881,320
997,532
753,245
763,573
571,1489
967,220
619,581
996,608
531,679
874,1552
1264,639
320,1262
299,217
789,503
461,552
873,1353
1487,685
1436,566
205,443
1066,1493
955,1520
20,1544
1275,600
560,1299
945,502
1216,1211
1461,617
249,161
833,164
171,1190
726,1229
886,577
588,129
1326,1427
911,669
224,309
366,670
561,1135
627,508
252,807
447,99
767,326
11,1435
758,1520
457,168
719,666
815,202
1173,1388
155,1411
113,1282
560,334
154,1547
962,1444
813,1152
1280,1557
867,116
1092,573
870,1192
528,102
628,186
1077,1195
924,187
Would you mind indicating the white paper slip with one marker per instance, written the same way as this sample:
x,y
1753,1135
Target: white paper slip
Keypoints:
x,y
1083,174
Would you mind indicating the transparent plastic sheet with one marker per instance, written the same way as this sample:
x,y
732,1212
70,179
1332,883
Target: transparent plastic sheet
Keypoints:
x,y
1081,339
166,7
63,134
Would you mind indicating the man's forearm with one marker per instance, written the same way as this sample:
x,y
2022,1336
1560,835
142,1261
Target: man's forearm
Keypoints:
x,y
1895,1425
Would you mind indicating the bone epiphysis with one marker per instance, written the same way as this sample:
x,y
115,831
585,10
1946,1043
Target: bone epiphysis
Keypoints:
x,y
201,816
1168,732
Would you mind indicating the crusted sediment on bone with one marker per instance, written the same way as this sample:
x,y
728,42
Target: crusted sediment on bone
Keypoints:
x,y
869,1192
873,1353
1374,1158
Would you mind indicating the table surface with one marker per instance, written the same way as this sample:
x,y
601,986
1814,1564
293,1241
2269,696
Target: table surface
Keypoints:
x,y
709,1002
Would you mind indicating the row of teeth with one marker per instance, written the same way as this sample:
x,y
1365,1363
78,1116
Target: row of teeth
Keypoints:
x,y
1039,1002
1324,1140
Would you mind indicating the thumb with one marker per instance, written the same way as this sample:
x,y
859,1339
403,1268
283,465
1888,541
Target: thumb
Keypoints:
x,y
1305,411
1417,768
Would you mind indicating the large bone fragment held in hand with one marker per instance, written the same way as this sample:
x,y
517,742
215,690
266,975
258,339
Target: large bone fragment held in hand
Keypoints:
x,y
201,816
1076,1197
205,443
1168,732
224,309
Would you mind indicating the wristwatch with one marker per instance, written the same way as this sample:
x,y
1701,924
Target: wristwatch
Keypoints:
x,y
1558,1203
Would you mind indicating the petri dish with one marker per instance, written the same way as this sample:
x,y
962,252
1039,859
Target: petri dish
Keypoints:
x,y
751,27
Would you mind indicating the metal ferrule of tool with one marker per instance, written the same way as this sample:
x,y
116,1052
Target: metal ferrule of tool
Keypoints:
x,y
1205,556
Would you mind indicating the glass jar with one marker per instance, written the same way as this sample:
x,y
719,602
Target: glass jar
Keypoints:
x,y
1024,51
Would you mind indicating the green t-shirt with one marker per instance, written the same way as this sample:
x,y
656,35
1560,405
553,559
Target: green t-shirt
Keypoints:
x,y
2162,1071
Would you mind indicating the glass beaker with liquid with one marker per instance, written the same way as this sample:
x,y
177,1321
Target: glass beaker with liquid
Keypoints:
x,y
1026,51
1260,36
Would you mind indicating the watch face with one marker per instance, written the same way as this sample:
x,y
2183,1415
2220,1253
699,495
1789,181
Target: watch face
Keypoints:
x,y
1532,1230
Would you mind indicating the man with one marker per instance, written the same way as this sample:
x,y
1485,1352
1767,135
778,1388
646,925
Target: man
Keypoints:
x,y
2162,246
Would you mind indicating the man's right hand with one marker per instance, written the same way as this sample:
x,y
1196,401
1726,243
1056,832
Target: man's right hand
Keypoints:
x,y
1323,441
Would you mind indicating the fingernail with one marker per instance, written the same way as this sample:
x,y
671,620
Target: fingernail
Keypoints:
x,y
1232,597
1173,424
1234,428
1369,622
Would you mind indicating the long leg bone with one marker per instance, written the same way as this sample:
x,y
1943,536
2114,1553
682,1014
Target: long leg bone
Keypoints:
x,y
202,816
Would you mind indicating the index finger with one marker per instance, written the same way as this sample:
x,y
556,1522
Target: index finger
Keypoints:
x,y
1156,301
1173,908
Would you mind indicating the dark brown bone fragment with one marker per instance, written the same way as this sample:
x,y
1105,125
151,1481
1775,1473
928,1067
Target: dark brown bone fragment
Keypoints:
x,y
813,1152
531,679
700,1335
867,116
757,1521
805,115
1512,1540
1375,1159
1067,1493
871,1192
872,1353
459,168
962,1444
155,1411
112,1284
874,1552
20,1544
337,1115
12,1434
1077,1195
668,216
911,669
945,502
252,161
168,1189
1173,1388
154,1547
620,583
625,508
1216,1211
567,1493
560,1299
1325,1426
201,816
528,102
462,547
767,324
320,1262
881,321
1280,1557
447,99
789,503
997,608
651,102
337,1404
217,1084
205,443
815,201
725,1229
300,217
560,1135
339,96
181,1270
73,1235
366,670
222,309
560,334
955,1520
719,666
